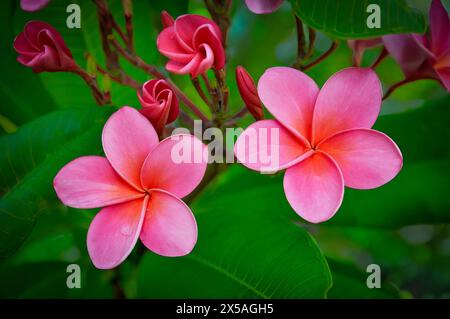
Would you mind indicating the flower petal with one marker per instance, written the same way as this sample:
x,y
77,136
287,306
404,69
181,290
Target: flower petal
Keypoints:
x,y
290,96
186,25
114,231
367,158
314,188
33,5
439,28
169,227
205,36
163,168
407,51
91,182
267,146
444,76
351,98
263,6
128,137
169,46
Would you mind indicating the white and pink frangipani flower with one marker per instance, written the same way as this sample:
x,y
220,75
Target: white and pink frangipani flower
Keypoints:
x,y
424,56
139,186
325,138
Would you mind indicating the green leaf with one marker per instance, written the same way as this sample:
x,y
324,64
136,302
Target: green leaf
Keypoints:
x,y
244,250
347,19
48,280
30,159
350,282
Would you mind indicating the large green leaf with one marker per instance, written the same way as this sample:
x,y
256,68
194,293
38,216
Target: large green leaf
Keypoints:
x,y
350,282
30,159
348,18
244,250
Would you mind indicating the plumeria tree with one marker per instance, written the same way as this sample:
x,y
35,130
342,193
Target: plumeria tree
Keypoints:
x,y
136,114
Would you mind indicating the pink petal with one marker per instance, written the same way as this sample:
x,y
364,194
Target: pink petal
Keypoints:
x,y
206,62
169,46
367,158
314,188
163,168
351,98
263,6
91,182
439,27
444,76
267,146
128,137
290,96
205,36
407,51
33,5
114,232
169,227
183,68
186,25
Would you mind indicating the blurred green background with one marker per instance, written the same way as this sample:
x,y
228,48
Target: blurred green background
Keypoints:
x,y
251,243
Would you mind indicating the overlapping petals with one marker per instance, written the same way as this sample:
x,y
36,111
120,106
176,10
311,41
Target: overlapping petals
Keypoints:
x,y
193,44
159,103
140,186
42,48
325,138
422,56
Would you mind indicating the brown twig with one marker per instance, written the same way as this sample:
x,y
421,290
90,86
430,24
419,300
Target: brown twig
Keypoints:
x,y
151,70
220,13
198,88
333,47
311,41
128,11
396,86
122,78
91,81
300,43
384,53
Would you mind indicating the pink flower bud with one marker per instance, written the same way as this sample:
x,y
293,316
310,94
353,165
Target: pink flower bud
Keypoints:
x,y
166,19
359,46
42,48
194,47
159,103
248,92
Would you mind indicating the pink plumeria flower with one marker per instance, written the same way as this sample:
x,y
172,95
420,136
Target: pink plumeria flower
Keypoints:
x,y
139,186
263,6
422,56
33,5
193,45
42,48
159,103
325,138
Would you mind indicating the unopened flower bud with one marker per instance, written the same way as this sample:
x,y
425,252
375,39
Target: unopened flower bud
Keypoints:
x,y
249,94
166,19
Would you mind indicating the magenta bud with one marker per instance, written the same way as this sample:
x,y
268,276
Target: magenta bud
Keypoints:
x,y
159,103
249,94
166,19
42,48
